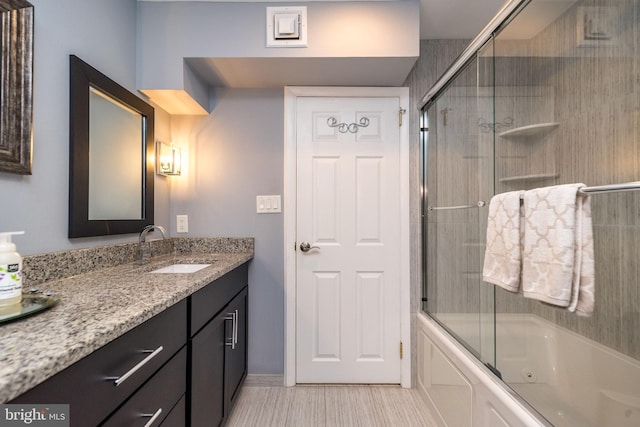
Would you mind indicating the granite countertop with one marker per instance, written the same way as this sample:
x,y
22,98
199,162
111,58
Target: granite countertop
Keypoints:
x,y
94,309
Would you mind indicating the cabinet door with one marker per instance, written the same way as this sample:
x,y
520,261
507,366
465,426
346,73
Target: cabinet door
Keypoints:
x,y
208,301
236,355
207,351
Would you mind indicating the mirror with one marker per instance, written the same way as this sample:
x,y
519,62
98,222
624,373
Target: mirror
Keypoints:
x,y
111,156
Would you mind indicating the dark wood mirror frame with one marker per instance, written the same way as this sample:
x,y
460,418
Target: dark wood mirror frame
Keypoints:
x,y
16,107
84,77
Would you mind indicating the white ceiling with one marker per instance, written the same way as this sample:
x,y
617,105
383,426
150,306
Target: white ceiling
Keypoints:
x,y
456,19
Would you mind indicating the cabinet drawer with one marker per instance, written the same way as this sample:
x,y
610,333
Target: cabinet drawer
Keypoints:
x,y
177,416
208,301
156,398
88,386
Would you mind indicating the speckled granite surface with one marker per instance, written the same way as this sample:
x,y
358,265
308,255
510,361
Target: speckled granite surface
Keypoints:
x,y
98,306
42,268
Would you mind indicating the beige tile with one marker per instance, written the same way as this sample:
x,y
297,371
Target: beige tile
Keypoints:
x,y
306,407
260,406
402,407
330,406
351,406
254,380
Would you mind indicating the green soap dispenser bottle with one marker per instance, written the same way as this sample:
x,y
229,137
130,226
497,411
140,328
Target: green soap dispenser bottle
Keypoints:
x,y
10,271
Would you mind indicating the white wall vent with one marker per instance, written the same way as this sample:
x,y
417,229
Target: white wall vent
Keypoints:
x,y
287,26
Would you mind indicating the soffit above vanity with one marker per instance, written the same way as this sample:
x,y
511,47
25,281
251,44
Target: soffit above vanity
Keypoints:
x,y
278,72
203,44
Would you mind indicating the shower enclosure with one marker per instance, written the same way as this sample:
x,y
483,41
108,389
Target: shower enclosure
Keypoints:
x,y
548,94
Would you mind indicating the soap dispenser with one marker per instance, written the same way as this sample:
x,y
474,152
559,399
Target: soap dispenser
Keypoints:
x,y
10,271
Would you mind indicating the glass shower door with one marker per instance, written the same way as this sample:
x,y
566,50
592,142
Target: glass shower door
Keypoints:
x,y
458,182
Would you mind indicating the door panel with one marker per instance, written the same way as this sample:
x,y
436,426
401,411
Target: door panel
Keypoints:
x,y
370,312
326,182
348,210
369,200
326,316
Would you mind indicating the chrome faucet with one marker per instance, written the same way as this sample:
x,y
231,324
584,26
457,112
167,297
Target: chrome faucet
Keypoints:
x,y
144,248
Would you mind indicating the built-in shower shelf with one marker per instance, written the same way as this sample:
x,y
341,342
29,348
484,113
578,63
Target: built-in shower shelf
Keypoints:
x,y
529,178
529,130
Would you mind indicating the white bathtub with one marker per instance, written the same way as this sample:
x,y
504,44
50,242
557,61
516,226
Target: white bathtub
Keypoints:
x,y
571,380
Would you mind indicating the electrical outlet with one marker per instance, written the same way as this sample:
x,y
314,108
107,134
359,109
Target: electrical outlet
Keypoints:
x,y
182,223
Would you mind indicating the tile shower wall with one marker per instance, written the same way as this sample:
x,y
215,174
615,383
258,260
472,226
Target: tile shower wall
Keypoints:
x,y
593,93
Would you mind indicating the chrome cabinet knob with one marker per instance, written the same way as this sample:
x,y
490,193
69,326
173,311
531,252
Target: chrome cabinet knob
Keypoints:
x,y
306,247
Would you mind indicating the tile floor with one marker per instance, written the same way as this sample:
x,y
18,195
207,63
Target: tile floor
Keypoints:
x,y
329,406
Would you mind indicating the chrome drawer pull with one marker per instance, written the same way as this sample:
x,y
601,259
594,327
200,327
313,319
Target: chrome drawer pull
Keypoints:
x,y
234,328
133,370
153,416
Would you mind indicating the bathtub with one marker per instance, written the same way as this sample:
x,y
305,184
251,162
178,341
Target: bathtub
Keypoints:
x,y
570,380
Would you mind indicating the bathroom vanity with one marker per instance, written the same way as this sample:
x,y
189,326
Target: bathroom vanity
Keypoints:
x,y
182,365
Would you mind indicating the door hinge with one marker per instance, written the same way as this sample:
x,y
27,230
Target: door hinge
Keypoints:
x,y
295,247
400,113
401,351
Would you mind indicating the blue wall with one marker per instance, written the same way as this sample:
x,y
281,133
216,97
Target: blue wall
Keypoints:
x,y
235,154
102,33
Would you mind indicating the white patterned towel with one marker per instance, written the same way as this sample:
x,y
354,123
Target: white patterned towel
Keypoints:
x,y
503,254
557,259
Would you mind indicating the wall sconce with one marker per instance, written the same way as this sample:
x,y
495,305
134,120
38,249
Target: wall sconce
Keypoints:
x,y
168,159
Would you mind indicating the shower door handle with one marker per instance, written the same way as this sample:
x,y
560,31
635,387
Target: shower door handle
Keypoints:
x,y
306,247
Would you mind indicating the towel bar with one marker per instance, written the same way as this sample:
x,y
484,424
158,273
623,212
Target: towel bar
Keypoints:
x,y
478,204
611,188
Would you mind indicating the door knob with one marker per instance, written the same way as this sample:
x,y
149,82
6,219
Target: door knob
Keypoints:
x,y
306,247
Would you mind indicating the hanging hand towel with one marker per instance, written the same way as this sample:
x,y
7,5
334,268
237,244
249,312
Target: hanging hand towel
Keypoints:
x,y
503,254
557,266
583,300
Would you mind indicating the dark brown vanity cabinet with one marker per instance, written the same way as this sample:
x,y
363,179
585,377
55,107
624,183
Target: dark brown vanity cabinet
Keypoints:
x,y
118,384
217,348
182,367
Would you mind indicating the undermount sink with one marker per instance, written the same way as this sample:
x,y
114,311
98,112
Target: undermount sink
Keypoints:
x,y
181,268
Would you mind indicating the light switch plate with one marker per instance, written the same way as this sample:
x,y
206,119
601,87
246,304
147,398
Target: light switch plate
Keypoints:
x,y
268,204
182,223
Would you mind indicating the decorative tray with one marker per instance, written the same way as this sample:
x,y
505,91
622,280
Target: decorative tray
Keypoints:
x,y
30,304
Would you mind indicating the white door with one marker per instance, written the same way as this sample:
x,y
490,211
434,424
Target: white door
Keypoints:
x,y
348,211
